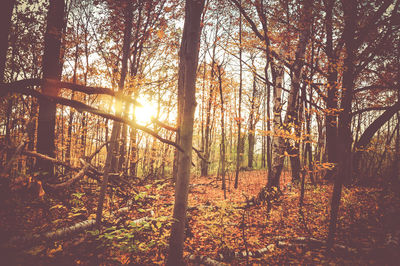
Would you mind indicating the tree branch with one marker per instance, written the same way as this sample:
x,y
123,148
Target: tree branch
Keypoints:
x,y
67,85
81,107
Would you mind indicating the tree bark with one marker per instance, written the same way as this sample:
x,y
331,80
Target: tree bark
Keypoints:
x,y
188,55
116,130
280,145
239,118
223,150
5,24
277,141
344,127
331,113
52,68
252,124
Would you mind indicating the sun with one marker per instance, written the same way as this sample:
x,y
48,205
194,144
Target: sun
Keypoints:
x,y
144,113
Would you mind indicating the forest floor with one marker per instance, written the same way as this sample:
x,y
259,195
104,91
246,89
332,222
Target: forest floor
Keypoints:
x,y
368,225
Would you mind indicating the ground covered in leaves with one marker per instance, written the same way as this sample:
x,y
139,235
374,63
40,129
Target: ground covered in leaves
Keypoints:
x,y
368,225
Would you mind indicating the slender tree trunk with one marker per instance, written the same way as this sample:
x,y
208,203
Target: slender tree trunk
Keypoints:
x,y
116,129
52,68
239,118
252,125
331,114
277,159
222,131
210,106
71,110
188,55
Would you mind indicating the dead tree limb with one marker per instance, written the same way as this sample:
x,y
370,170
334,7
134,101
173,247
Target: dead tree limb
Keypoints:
x,y
310,241
54,161
69,182
27,241
203,260
31,240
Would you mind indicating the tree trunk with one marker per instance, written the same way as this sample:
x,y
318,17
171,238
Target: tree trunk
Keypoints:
x,y
252,125
239,118
116,129
5,24
331,113
210,106
344,130
222,131
188,55
370,131
291,117
52,68
277,141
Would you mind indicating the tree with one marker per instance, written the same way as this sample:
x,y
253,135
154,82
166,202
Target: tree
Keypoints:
x,y
239,117
188,56
354,36
52,68
116,129
5,24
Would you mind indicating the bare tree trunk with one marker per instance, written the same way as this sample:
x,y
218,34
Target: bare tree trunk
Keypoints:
x,y
210,106
252,124
332,98
116,126
277,159
222,131
344,130
52,68
71,110
239,118
188,54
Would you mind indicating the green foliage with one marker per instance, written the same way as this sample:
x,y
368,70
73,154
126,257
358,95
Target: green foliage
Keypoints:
x,y
136,236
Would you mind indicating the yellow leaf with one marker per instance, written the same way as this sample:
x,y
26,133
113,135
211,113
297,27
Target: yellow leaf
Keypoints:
x,y
160,34
51,252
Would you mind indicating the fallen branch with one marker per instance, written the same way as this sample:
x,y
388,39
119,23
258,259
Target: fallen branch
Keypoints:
x,y
47,158
31,240
310,241
229,256
203,260
69,182
35,239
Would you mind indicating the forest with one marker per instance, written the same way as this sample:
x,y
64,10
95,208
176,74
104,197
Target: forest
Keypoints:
x,y
200,132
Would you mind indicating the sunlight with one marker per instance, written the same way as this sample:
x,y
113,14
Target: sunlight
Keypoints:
x,y
145,112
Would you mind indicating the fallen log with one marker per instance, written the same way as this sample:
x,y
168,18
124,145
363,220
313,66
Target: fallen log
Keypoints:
x,y
27,241
31,240
203,260
229,256
310,241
